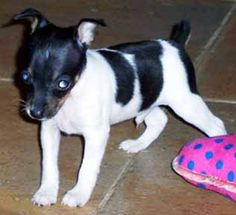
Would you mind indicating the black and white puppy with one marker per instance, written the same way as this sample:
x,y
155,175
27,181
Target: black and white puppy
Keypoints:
x,y
83,91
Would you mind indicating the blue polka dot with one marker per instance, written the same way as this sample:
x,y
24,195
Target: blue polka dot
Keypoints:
x,y
235,154
230,176
191,165
219,140
229,146
198,146
219,164
201,185
204,172
209,155
181,160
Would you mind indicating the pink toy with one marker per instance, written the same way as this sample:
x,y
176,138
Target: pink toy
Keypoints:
x,y
209,163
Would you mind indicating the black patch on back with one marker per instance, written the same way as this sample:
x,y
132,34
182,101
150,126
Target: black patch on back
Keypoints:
x,y
124,74
188,67
149,68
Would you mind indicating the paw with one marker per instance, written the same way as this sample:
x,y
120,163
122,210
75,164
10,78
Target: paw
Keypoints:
x,y
75,199
221,127
217,128
45,196
132,146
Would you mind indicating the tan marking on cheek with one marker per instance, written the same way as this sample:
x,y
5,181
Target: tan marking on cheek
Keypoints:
x,y
77,78
54,107
62,100
30,71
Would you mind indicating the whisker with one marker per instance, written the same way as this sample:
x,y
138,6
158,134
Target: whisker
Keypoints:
x,y
23,110
22,101
18,101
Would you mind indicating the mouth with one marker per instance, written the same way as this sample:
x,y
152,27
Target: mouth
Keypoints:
x,y
39,119
42,118
34,118
43,112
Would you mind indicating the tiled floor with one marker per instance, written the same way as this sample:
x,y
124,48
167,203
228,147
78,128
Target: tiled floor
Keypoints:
x,y
128,184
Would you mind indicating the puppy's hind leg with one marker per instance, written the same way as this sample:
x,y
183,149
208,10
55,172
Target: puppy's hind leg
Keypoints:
x,y
155,122
194,110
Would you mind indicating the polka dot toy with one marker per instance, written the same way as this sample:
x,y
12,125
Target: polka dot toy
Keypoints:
x,y
209,163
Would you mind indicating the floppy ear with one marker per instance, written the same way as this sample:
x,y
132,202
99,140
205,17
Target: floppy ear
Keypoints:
x,y
38,20
85,30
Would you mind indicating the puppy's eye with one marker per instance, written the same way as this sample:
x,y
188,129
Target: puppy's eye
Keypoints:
x,y
63,84
26,77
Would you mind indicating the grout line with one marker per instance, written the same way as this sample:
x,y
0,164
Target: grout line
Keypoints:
x,y
6,80
213,39
114,185
211,43
223,101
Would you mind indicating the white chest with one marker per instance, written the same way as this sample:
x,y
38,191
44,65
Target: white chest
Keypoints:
x,y
92,101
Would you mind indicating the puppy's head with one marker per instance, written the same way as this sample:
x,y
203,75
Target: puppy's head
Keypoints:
x,y
55,59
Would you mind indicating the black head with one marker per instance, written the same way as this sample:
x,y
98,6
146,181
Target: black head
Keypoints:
x,y
55,59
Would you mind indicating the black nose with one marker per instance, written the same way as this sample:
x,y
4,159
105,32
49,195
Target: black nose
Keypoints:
x,y
36,113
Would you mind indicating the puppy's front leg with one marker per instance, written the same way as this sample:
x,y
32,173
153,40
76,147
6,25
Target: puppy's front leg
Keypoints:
x,y
95,143
50,139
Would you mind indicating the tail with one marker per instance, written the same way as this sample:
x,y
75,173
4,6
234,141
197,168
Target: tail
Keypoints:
x,y
181,32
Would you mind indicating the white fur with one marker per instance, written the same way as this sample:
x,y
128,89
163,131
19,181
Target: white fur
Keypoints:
x,y
155,122
50,139
176,94
91,108
86,32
